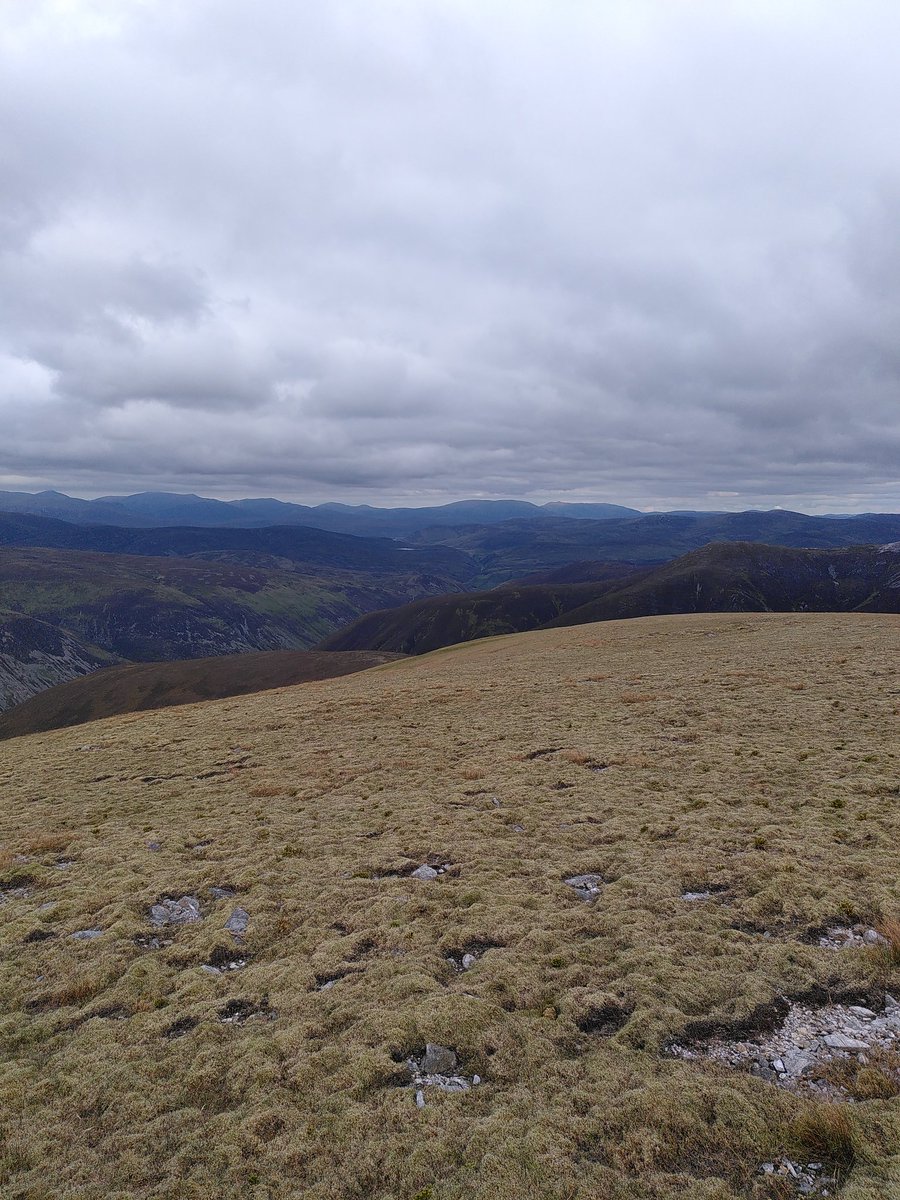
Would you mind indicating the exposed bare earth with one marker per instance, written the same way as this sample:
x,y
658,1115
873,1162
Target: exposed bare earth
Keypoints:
x,y
282,1022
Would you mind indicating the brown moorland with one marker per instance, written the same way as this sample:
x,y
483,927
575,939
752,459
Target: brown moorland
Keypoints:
x,y
751,756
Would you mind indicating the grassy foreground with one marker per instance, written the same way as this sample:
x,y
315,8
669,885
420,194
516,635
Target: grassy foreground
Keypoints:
x,y
757,752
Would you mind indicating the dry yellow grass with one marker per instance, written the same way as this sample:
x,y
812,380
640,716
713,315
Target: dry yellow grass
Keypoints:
x,y
517,761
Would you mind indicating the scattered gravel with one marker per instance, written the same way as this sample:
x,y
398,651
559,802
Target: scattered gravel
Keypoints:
x,y
842,937
438,1068
807,1179
806,1041
86,935
184,911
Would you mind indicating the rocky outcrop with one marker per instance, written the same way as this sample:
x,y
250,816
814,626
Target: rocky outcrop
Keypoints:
x,y
35,656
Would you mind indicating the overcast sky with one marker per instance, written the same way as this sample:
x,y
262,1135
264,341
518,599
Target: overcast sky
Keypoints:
x,y
415,250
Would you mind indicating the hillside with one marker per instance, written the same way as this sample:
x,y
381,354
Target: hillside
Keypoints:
x,y
743,577
722,577
221,978
36,654
146,609
426,625
519,548
264,547
136,687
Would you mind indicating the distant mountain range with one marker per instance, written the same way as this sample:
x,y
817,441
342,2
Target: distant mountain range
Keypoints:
x,y
142,593
516,548
722,577
157,509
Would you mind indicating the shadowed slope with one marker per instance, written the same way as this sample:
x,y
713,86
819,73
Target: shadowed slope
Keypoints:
x,y
35,655
723,577
135,687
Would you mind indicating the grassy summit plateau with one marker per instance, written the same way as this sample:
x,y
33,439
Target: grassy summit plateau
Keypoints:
x,y
752,758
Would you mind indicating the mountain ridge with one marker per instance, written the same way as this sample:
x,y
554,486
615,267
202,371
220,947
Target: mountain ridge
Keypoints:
x,y
720,577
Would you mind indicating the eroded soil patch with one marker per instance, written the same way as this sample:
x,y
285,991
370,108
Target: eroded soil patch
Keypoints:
x,y
833,1051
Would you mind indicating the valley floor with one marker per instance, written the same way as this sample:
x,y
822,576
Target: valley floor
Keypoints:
x,y
732,782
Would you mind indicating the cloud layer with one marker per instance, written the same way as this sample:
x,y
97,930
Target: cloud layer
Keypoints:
x,y
434,248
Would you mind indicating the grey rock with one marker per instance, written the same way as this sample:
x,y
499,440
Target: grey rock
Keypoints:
x,y
778,1066
468,960
693,896
587,886
425,873
420,1099
874,938
86,935
238,921
858,1011
840,1041
184,911
476,1079
438,1060
221,893
210,970
154,846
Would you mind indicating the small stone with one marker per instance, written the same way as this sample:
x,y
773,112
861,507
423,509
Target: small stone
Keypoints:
x,y
858,1011
778,1066
184,911
840,1041
468,960
476,1079
425,873
420,1099
86,935
587,886
438,1060
690,897
874,938
238,921
518,828
154,846
221,893
210,970
767,1168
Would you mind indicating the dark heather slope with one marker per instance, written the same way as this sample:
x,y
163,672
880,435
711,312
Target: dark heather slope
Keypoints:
x,y
313,547
745,577
724,577
444,620
136,687
35,655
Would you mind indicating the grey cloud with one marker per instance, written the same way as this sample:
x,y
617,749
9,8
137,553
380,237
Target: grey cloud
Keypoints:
x,y
636,252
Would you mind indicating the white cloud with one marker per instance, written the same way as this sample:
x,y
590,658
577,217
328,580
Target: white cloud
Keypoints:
x,y
640,252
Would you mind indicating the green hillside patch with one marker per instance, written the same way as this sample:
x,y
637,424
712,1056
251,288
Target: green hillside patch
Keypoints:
x,y
448,927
